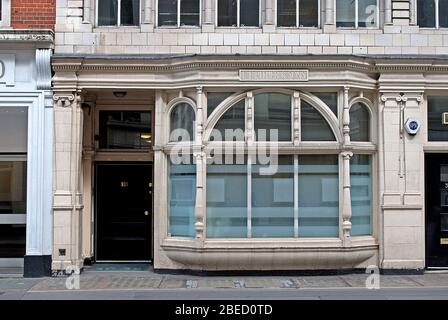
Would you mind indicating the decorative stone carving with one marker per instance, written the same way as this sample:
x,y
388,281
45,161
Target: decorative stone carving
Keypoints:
x,y
64,99
346,118
250,115
296,118
274,75
43,64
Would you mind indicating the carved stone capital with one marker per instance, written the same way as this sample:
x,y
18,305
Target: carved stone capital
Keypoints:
x,y
402,97
64,99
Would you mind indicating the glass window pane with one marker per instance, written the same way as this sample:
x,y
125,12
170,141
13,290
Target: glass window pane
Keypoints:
x,y
12,240
107,12
214,99
189,13
426,13
167,13
330,99
227,13
13,187
230,126
345,13
273,200
286,13
318,196
125,130
249,13
308,13
227,200
272,112
361,193
367,13
13,130
182,123
443,13
437,130
314,126
130,10
182,198
359,123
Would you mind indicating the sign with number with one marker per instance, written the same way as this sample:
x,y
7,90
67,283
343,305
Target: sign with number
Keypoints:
x,y
7,69
445,118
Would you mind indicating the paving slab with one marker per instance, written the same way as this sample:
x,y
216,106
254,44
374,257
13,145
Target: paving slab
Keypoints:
x,y
321,282
172,284
262,283
216,283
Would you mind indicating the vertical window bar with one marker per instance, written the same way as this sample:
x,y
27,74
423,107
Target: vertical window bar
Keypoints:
x,y
297,13
356,14
296,196
178,13
437,14
119,13
249,195
238,13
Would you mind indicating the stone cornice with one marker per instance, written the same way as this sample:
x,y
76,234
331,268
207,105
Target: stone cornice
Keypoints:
x,y
28,35
167,64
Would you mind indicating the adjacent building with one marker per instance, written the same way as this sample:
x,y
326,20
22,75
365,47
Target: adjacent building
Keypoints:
x,y
355,91
26,135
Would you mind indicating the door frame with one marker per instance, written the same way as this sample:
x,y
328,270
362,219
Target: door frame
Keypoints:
x,y
427,207
94,192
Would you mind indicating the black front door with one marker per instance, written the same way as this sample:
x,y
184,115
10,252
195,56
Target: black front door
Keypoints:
x,y
436,210
123,212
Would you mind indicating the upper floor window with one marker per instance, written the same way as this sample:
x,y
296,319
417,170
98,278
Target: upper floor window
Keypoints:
x,y
432,13
5,13
357,13
118,12
238,13
179,13
298,13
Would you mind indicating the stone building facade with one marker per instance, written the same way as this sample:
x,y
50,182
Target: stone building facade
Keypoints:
x,y
356,91
26,131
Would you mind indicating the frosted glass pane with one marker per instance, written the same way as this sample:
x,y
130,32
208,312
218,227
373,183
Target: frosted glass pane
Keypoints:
x,y
318,200
286,13
359,123
230,126
13,130
272,112
361,193
443,13
182,198
107,12
314,126
227,201
273,200
182,123
345,13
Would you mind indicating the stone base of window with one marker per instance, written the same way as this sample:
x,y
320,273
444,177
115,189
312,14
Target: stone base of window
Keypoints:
x,y
268,254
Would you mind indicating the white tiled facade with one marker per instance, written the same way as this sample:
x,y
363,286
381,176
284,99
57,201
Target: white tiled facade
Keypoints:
x,y
391,69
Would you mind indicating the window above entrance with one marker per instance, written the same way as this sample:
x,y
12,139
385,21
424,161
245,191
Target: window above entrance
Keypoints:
x,y
125,130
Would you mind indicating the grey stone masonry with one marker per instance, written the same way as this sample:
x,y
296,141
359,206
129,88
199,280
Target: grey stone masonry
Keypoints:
x,y
397,33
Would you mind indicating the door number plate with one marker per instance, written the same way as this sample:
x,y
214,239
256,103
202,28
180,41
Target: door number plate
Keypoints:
x,y
444,241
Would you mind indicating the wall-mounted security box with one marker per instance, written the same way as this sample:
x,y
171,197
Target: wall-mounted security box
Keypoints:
x,y
412,126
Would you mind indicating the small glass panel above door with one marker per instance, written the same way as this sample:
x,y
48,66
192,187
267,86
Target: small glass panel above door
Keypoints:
x,y
125,130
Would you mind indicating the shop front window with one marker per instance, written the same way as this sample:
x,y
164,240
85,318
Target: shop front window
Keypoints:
x,y
361,194
182,123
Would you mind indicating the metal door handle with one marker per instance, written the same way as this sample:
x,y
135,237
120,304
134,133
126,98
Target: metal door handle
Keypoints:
x,y
146,213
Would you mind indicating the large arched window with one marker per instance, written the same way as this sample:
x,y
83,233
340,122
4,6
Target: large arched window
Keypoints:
x,y
359,122
182,122
230,126
314,126
272,117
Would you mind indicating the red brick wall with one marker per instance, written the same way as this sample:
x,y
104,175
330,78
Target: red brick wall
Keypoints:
x,y
33,14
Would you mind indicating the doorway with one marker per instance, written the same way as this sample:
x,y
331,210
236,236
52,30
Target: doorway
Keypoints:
x,y
123,212
436,175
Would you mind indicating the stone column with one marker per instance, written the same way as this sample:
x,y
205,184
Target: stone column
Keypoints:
x,y
269,12
296,118
67,200
329,25
148,23
388,12
86,11
200,157
346,118
347,199
412,12
207,23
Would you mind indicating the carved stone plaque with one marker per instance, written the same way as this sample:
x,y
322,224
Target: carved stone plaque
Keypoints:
x,y
274,75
